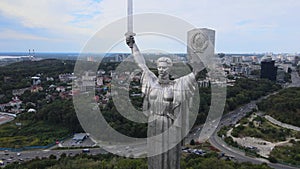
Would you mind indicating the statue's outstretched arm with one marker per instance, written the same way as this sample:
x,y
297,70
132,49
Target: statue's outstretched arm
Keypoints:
x,y
196,59
197,65
137,55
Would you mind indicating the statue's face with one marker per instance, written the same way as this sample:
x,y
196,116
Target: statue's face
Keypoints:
x,y
163,69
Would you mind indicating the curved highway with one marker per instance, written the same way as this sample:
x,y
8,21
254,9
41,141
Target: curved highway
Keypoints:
x,y
233,117
218,143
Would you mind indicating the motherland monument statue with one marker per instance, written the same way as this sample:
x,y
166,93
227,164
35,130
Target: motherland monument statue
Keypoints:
x,y
167,102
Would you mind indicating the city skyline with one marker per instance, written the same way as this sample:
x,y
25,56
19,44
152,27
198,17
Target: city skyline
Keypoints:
x,y
65,26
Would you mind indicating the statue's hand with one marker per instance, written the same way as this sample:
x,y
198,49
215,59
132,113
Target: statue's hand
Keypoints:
x,y
130,41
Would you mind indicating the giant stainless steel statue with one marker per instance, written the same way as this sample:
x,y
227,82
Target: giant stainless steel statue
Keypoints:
x,y
166,103
171,105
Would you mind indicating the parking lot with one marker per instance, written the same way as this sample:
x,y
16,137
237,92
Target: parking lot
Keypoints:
x,y
73,143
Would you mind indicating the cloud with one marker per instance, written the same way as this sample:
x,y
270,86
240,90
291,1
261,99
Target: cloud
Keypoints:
x,y
225,16
77,20
11,34
247,24
55,16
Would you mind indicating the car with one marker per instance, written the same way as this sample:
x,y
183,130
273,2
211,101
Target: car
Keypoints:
x,y
1,162
185,151
184,148
86,150
18,154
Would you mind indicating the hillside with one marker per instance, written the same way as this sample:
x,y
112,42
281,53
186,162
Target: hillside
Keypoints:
x,y
17,75
284,106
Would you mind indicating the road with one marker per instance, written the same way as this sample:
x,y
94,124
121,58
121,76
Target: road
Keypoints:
x,y
230,118
129,150
295,79
10,157
283,125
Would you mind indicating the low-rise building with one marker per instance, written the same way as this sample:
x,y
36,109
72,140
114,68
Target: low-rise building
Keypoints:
x,y
80,137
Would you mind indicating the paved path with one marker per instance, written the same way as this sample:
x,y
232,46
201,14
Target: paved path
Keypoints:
x,y
284,125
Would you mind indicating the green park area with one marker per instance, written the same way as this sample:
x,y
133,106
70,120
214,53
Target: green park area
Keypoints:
x,y
30,134
259,127
289,154
284,106
54,121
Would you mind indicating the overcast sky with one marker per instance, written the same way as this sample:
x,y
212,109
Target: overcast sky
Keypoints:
x,y
242,26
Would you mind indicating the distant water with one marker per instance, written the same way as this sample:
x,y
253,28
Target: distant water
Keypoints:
x,y
71,56
12,57
64,56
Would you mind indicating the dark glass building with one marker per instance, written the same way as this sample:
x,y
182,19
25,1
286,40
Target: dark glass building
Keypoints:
x,y
268,69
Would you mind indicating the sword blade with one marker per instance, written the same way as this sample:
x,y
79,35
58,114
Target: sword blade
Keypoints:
x,y
130,17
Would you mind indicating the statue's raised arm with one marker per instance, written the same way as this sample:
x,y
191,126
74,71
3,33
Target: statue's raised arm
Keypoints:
x,y
137,55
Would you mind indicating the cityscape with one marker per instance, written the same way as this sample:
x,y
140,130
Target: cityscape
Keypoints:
x,y
42,88
227,97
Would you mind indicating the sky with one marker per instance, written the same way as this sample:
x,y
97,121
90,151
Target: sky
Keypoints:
x,y
242,26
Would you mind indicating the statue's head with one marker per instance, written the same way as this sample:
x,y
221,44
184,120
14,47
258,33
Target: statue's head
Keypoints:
x,y
163,66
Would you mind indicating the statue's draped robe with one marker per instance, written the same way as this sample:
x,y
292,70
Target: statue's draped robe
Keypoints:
x,y
167,107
